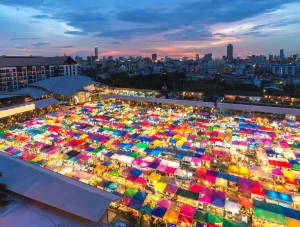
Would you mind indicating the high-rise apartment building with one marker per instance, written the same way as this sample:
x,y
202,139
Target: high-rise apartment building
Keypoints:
x,y
18,72
281,54
154,57
229,52
96,52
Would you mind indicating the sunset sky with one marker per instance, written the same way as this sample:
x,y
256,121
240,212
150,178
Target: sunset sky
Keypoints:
x,y
173,28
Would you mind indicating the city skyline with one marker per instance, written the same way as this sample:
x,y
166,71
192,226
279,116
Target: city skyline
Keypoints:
x,y
175,28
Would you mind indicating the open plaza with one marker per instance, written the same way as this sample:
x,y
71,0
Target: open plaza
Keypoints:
x,y
177,164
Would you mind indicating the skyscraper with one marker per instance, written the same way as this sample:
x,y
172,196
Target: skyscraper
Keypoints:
x,y
229,52
96,52
197,57
154,57
271,58
281,54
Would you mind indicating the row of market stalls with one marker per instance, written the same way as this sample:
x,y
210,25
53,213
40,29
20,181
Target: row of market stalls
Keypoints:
x,y
177,166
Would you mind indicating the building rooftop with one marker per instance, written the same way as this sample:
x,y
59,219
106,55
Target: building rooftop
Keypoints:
x,y
60,60
25,212
54,189
63,85
14,61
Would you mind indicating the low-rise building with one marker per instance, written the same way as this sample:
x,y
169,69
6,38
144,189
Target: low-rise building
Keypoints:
x,y
283,69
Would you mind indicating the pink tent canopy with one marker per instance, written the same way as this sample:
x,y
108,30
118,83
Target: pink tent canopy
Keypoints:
x,y
211,179
140,180
195,187
172,189
164,203
187,210
161,168
205,199
126,200
145,163
131,178
170,170
157,161
221,153
137,161
195,160
206,158
277,172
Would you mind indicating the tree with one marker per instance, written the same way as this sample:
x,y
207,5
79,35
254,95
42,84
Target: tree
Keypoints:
x,y
141,220
3,196
131,219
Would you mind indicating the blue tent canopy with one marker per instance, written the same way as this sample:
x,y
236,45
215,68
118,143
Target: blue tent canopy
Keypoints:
x,y
155,153
278,196
153,165
148,150
147,209
135,204
141,195
178,156
291,213
159,212
218,202
106,163
233,178
109,154
222,175
136,172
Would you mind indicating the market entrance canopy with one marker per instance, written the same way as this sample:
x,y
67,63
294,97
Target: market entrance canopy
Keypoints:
x,y
54,189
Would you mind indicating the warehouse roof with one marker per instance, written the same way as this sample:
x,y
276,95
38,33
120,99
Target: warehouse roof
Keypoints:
x,y
64,85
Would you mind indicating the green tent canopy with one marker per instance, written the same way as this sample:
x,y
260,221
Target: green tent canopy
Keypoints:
x,y
213,218
223,166
187,194
114,173
134,155
130,192
294,146
2,133
227,223
141,145
296,167
200,216
269,216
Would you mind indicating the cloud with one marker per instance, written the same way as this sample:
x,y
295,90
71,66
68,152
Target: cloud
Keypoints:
x,y
202,11
75,33
131,33
20,47
64,47
41,16
223,35
276,24
23,38
40,44
115,42
257,34
34,22
258,27
190,35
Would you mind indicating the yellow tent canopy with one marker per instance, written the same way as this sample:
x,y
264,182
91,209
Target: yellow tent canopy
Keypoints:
x,y
160,186
154,177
